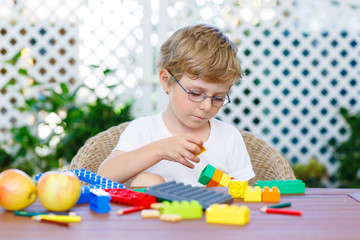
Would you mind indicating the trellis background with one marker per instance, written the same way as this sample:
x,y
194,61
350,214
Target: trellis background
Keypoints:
x,y
301,60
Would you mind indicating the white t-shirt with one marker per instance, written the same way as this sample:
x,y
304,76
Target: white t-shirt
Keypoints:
x,y
225,150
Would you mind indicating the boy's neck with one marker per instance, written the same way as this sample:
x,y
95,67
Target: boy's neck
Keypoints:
x,y
177,128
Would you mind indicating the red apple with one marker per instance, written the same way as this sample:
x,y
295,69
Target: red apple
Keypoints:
x,y
58,191
17,190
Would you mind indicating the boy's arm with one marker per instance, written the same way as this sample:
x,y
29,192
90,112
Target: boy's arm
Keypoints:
x,y
121,166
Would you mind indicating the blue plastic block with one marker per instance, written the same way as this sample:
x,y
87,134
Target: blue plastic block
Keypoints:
x,y
174,191
85,195
96,180
37,177
99,201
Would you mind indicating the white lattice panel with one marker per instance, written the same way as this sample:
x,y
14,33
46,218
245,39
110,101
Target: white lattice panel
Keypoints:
x,y
47,34
302,63
301,59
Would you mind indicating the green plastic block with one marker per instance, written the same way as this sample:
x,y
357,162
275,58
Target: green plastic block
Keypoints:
x,y
206,174
187,210
285,186
142,190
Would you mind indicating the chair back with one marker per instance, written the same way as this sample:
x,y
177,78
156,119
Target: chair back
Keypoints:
x,y
267,162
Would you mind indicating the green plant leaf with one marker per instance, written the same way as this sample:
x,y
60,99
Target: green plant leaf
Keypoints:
x,y
64,88
23,71
94,66
14,59
108,71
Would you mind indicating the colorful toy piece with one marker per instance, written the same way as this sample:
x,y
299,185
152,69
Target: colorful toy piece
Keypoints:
x,y
252,194
225,214
174,191
237,188
129,197
285,186
187,210
202,150
206,174
99,201
271,195
92,179
212,177
84,195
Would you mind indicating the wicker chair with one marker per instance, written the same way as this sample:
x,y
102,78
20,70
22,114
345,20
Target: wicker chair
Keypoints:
x,y
267,162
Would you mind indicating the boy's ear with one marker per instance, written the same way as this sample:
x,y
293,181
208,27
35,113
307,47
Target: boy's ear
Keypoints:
x,y
164,77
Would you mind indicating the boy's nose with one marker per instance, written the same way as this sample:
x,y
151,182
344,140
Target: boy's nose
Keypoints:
x,y
206,104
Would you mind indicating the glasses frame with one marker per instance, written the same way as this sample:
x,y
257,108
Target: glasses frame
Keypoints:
x,y
227,98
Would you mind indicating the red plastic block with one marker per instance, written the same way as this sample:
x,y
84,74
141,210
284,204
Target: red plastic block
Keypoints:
x,y
129,197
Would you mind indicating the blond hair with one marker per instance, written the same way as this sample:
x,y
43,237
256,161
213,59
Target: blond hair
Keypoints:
x,y
201,51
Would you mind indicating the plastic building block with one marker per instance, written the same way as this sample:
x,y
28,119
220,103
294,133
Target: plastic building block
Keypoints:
x,y
129,197
252,194
142,190
225,180
202,149
94,180
174,191
99,201
237,188
225,214
212,177
285,186
187,210
212,183
206,174
84,196
271,195
217,176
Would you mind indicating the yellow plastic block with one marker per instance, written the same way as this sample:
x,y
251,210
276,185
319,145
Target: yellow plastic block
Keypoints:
x,y
271,195
224,180
237,188
252,194
225,214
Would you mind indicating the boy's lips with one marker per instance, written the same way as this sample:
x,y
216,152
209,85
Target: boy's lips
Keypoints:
x,y
198,117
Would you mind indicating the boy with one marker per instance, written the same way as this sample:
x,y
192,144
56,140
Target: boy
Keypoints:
x,y
197,66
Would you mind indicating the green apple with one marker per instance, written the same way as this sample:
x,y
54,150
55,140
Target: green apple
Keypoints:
x,y
58,191
17,190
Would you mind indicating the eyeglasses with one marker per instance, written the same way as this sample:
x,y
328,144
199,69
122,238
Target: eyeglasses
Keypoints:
x,y
199,96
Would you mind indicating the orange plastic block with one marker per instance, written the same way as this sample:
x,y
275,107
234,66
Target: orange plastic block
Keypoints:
x,y
271,195
252,194
225,180
212,183
217,175
237,188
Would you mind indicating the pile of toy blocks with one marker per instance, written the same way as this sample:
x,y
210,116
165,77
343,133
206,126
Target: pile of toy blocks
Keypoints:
x,y
180,201
240,189
213,177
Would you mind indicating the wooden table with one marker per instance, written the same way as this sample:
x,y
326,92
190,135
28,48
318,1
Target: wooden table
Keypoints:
x,y
327,214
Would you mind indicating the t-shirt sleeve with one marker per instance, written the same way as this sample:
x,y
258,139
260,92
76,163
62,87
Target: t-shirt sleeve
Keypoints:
x,y
135,135
240,166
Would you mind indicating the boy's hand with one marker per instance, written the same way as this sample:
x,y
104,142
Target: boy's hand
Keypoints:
x,y
181,149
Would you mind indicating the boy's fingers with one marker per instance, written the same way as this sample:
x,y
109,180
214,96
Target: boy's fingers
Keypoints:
x,y
186,163
194,139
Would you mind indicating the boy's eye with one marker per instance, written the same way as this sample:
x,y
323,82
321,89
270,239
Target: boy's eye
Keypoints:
x,y
196,94
219,99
